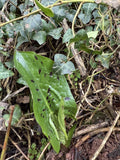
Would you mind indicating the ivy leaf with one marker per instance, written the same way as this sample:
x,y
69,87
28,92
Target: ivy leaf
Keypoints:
x,y
55,33
47,3
104,58
46,26
67,36
64,11
61,65
32,23
40,37
21,40
86,13
92,34
81,36
16,116
21,81
2,3
44,9
47,90
5,73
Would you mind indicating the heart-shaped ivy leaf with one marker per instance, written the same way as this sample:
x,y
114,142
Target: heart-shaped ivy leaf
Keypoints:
x,y
62,65
48,91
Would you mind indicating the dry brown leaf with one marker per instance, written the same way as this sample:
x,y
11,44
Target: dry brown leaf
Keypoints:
x,y
21,99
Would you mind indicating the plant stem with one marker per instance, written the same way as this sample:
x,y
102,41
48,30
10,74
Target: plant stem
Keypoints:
x,y
50,6
7,135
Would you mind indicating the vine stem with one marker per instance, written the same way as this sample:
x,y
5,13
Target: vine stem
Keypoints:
x,y
60,2
73,23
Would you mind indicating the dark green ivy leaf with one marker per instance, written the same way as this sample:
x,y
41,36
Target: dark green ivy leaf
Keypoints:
x,y
61,65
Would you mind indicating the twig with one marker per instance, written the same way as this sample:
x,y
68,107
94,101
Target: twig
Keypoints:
x,y
19,149
4,16
90,128
106,137
7,134
14,93
93,133
43,151
13,156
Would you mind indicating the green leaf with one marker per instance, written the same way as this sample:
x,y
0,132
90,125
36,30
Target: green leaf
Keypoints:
x,y
2,3
86,13
5,73
9,64
88,50
47,3
64,11
61,118
61,65
55,33
21,40
32,23
21,81
46,26
104,58
70,134
92,34
82,40
67,36
40,37
47,90
16,116
81,35
44,9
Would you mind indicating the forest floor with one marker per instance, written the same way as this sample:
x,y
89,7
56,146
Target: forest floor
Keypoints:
x,y
92,124
97,95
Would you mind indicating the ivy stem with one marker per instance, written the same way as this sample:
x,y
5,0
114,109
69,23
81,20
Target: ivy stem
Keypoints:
x,y
73,23
60,2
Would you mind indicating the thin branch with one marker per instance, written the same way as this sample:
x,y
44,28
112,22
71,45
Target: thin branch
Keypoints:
x,y
7,134
106,137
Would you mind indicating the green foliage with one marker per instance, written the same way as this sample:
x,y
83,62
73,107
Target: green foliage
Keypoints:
x,y
70,134
50,92
55,33
2,3
75,77
44,9
36,28
86,12
104,58
16,116
61,65
33,152
67,36
63,11
40,37
95,33
5,73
